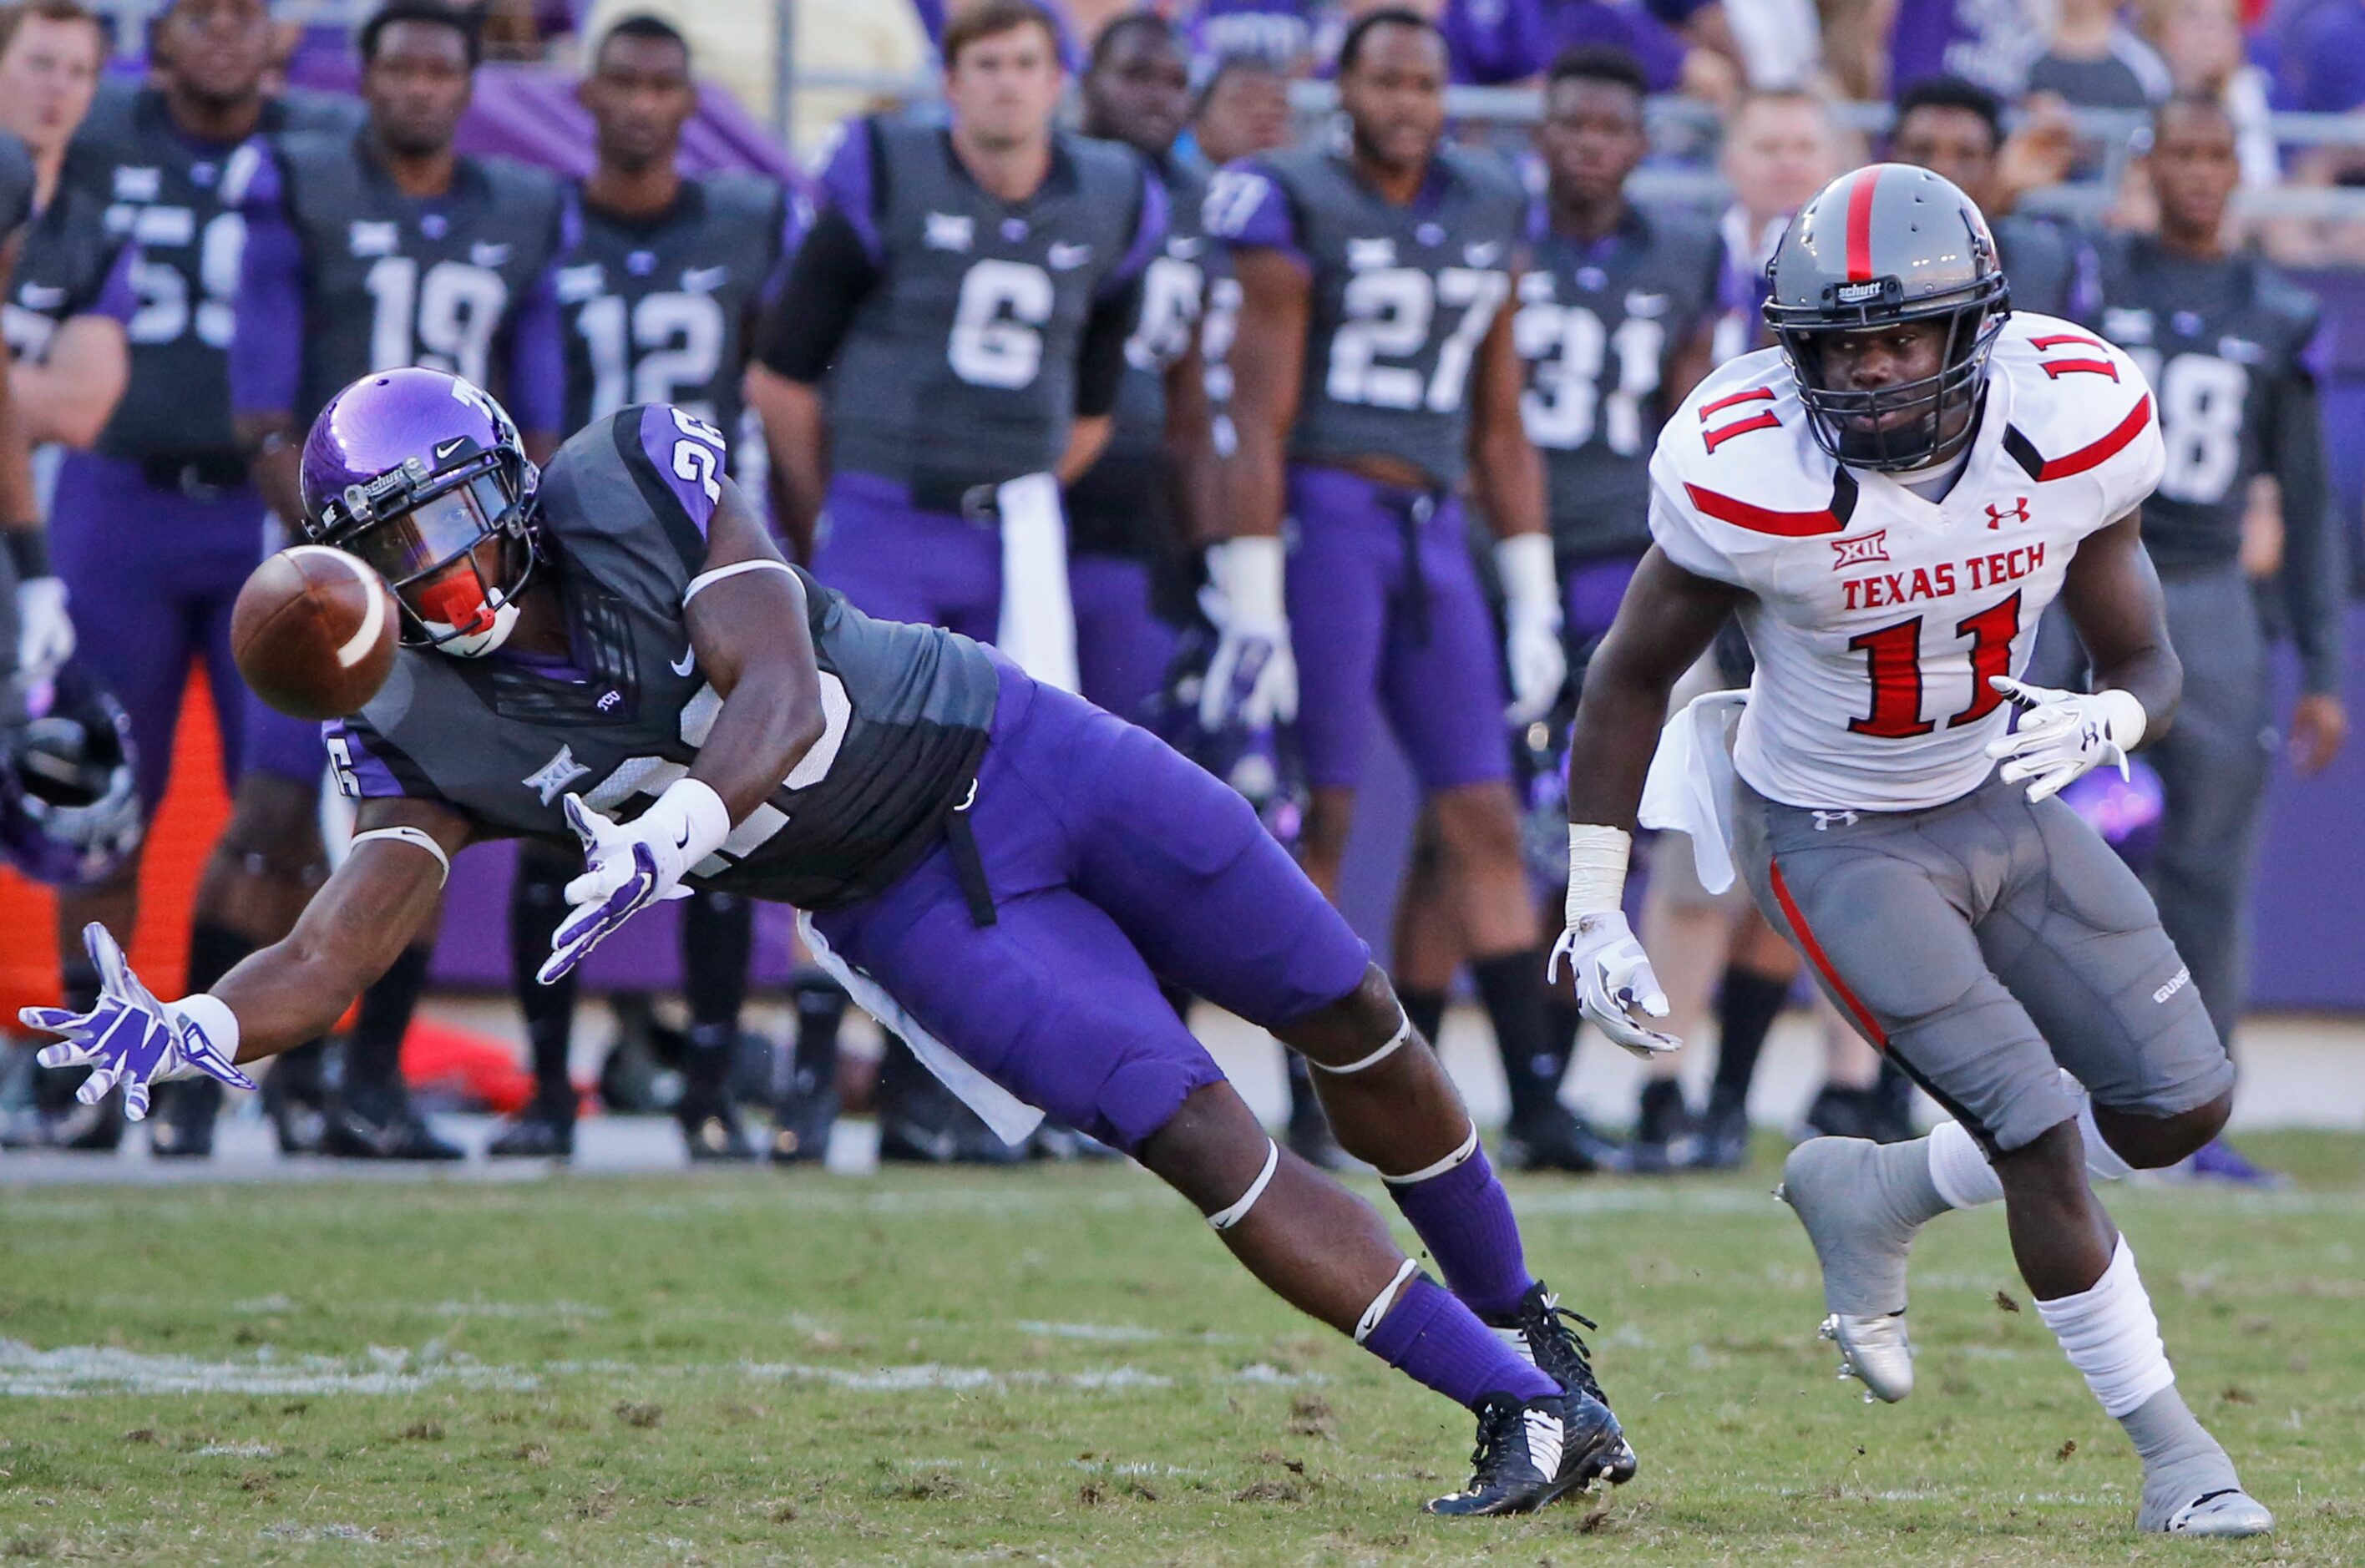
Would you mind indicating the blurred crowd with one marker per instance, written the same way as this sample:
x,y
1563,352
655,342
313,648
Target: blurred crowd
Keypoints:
x,y
1749,113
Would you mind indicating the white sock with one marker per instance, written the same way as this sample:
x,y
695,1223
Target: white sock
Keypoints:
x,y
1959,1168
2111,1337
1964,1179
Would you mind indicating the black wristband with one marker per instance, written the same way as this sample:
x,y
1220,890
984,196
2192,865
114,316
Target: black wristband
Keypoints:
x,y
28,548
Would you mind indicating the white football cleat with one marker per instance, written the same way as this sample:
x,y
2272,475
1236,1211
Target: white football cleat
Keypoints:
x,y
1875,1351
1837,1186
2227,1514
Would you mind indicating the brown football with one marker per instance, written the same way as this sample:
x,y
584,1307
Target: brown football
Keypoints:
x,y
314,632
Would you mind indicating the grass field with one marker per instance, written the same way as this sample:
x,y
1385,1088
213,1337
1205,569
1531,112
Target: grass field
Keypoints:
x,y
1063,1367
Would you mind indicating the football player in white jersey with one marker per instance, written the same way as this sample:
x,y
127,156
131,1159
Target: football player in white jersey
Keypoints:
x,y
1889,499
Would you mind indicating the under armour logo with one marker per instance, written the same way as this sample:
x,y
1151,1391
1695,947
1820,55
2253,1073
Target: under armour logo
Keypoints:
x,y
2018,512
552,777
1825,821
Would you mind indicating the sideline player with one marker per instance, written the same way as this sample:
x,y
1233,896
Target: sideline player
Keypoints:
x,y
1888,501
658,299
1614,327
967,844
945,354
1374,370
1953,127
1153,490
368,251
2226,345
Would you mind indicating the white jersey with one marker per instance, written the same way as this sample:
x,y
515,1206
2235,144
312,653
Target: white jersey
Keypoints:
x,y
1877,617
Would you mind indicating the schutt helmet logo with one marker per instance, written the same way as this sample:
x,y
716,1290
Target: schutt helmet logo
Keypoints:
x,y
1873,547
2017,512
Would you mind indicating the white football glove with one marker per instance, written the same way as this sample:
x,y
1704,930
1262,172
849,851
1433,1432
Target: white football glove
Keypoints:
x,y
1252,679
1615,987
630,866
2063,735
1531,615
45,632
131,1039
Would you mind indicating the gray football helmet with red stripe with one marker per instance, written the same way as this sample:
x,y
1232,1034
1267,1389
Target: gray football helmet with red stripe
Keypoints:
x,y
1890,243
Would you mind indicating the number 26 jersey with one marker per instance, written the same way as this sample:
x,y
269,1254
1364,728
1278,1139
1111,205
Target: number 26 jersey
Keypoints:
x,y
1877,617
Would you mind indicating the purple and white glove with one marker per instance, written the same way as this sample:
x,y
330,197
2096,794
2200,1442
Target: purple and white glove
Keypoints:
x,y
1253,679
132,1040
630,866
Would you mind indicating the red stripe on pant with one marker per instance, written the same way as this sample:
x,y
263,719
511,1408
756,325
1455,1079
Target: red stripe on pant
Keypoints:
x,y
1865,1021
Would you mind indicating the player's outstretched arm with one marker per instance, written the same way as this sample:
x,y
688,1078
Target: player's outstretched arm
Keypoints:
x,y
375,904
1668,620
748,627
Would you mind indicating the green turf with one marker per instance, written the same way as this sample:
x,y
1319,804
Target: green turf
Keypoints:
x,y
701,1368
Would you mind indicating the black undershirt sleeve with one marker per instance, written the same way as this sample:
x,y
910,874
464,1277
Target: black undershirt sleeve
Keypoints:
x,y
801,331
1101,364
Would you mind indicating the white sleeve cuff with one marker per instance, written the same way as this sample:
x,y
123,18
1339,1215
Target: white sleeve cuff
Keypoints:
x,y
696,816
210,1015
2123,719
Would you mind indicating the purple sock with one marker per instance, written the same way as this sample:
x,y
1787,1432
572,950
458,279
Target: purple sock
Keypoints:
x,y
1431,1338
1463,1217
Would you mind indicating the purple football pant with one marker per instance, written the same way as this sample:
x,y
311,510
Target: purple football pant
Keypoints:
x,y
1591,591
898,563
1360,645
151,576
1122,647
1114,864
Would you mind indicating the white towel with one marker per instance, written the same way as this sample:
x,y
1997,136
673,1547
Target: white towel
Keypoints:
x,y
1690,787
1038,618
1012,1120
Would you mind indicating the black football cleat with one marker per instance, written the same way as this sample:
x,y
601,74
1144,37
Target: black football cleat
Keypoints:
x,y
926,1124
1664,1130
802,1120
1533,1452
1543,1333
180,1119
1723,1140
76,1128
1840,1112
295,1101
1557,1138
393,1132
711,1131
543,1131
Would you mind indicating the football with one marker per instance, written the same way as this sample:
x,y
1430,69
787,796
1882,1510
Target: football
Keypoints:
x,y
314,632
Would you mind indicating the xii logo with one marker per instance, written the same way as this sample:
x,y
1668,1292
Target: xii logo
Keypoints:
x,y
2017,512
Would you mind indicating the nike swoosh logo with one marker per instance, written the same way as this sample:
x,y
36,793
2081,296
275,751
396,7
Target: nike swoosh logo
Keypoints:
x,y
683,842
446,448
685,663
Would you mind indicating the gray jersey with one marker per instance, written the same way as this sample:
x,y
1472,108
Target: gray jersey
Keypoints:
x,y
61,271
2220,341
503,740
959,367
164,192
2047,265
1595,327
659,311
1124,504
395,280
1402,296
16,181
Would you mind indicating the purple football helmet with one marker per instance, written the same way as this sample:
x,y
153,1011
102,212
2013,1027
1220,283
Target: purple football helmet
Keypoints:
x,y
412,470
70,809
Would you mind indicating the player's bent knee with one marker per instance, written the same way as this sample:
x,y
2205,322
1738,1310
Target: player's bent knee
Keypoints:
x,y
2154,1143
1359,1030
1212,1150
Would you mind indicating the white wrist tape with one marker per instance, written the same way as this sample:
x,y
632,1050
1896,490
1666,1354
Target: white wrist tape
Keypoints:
x,y
1597,869
1250,571
691,816
1525,562
212,1015
2123,719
